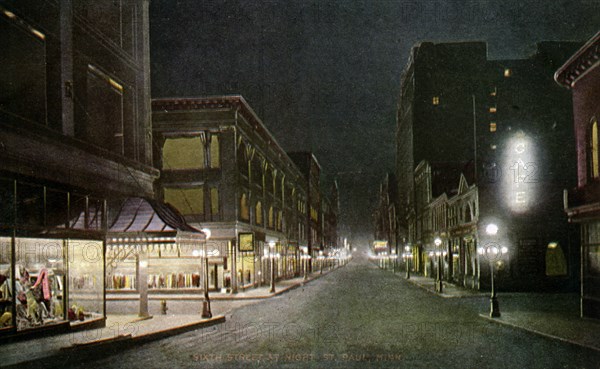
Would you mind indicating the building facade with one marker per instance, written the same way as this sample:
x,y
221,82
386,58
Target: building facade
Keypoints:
x,y
494,121
581,74
74,106
224,171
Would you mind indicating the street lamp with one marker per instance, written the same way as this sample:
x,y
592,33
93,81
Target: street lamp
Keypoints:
x,y
408,256
321,261
206,313
492,253
439,283
272,257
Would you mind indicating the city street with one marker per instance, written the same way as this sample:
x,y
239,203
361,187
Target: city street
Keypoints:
x,y
355,316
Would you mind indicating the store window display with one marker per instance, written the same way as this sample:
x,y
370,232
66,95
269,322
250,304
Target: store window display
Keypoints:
x,y
6,295
39,282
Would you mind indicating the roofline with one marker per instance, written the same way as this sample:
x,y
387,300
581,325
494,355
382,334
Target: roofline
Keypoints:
x,y
575,68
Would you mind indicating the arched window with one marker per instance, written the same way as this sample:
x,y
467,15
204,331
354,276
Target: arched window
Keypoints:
x,y
594,159
258,213
244,210
468,216
271,217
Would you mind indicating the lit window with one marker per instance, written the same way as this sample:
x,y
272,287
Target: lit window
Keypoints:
x,y
595,162
244,210
494,92
507,72
493,127
183,153
214,151
259,215
493,109
270,217
493,147
436,100
187,200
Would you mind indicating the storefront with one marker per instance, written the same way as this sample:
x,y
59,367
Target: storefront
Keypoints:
x,y
51,259
151,249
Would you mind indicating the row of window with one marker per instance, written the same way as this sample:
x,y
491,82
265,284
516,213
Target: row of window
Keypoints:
x,y
275,218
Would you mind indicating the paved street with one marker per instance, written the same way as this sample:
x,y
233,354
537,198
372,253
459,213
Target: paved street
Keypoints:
x,y
356,316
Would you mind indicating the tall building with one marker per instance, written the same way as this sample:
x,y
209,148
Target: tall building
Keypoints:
x,y
75,142
507,121
581,74
224,171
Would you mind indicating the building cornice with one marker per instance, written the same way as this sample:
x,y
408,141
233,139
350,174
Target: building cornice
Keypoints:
x,y
580,63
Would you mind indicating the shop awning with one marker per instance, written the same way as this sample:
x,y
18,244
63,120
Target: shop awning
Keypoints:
x,y
147,223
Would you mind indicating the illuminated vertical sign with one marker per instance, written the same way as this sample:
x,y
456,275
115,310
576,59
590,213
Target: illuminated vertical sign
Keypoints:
x,y
520,174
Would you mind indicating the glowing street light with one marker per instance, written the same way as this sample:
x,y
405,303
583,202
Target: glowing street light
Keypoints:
x,y
493,252
408,256
439,284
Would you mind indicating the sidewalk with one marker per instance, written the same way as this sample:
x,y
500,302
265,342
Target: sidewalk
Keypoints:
x,y
126,330
552,315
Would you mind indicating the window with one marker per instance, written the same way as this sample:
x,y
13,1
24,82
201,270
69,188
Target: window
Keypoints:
x,y
507,72
493,127
244,209
435,100
494,92
23,78
556,264
104,111
270,217
214,201
258,213
187,200
594,159
215,157
183,153
493,109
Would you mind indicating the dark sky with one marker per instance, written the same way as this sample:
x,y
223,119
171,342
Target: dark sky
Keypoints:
x,y
324,75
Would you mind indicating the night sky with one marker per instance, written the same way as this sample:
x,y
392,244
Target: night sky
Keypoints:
x,y
324,76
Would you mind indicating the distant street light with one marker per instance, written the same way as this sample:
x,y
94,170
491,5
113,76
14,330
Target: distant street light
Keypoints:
x,y
272,257
438,281
408,256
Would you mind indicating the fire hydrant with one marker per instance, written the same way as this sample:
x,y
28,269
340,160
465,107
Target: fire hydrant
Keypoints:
x,y
163,307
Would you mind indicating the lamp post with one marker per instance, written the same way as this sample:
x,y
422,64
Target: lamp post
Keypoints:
x,y
408,255
394,259
206,313
492,253
321,261
272,257
439,284
305,258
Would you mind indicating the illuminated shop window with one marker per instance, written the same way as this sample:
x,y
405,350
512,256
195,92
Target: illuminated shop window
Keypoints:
x,y
436,100
493,127
187,200
183,153
595,162
507,72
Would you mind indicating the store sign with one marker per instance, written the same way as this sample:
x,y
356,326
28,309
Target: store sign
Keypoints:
x,y
246,241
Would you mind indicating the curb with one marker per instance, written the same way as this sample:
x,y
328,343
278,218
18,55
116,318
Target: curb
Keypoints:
x,y
108,346
539,333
